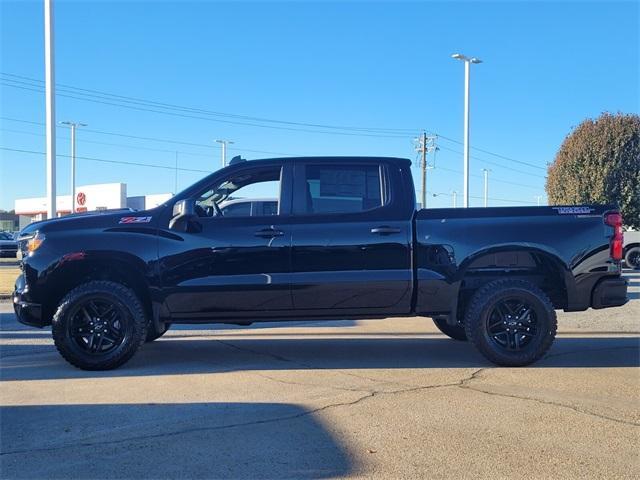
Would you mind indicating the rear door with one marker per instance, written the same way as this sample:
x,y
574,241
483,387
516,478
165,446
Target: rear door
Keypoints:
x,y
350,242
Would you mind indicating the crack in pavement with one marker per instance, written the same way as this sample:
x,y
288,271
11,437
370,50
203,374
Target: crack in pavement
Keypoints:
x,y
368,395
305,365
464,385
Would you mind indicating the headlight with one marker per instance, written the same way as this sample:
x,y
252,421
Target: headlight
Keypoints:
x,y
35,242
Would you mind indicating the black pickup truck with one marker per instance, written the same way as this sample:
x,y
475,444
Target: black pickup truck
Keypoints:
x,y
345,242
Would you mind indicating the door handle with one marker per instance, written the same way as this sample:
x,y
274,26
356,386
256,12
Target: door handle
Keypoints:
x,y
269,233
384,230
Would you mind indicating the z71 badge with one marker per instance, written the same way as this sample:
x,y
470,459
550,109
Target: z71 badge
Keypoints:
x,y
135,219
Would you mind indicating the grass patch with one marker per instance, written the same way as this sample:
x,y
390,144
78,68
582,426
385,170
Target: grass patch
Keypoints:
x,y
8,277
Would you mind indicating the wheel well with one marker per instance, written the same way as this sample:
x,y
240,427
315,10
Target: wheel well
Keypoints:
x,y
80,272
631,245
541,269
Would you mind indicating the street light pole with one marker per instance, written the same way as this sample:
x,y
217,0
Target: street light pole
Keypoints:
x,y
467,71
224,144
486,186
72,126
455,199
50,108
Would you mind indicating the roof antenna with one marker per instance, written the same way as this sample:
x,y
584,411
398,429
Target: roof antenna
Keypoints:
x,y
237,159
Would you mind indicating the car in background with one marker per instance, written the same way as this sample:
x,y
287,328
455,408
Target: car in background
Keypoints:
x,y
249,207
631,248
8,246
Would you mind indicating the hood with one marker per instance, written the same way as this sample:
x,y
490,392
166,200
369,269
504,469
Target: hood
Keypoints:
x,y
96,219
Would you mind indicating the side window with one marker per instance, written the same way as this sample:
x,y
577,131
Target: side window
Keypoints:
x,y
239,209
234,195
342,188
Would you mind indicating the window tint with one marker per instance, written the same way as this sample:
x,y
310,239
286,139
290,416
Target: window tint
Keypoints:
x,y
342,188
269,208
242,209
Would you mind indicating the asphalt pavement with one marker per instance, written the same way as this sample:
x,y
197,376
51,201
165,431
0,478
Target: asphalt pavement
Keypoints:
x,y
385,399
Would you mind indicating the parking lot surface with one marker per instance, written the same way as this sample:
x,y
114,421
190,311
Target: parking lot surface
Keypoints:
x,y
381,398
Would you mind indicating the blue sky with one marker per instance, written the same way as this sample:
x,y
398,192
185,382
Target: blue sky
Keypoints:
x,y
547,66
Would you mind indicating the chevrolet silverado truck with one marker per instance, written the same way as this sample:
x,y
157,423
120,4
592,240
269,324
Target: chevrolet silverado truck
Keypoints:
x,y
345,242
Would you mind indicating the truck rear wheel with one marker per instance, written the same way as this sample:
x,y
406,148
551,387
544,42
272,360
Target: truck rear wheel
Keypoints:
x,y
99,325
452,331
511,322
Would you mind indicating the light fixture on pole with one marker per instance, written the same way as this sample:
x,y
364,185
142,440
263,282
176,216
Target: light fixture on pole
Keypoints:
x,y
467,63
73,126
50,108
223,144
486,171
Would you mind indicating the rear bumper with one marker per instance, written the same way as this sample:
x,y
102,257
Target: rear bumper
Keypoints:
x,y
28,312
610,292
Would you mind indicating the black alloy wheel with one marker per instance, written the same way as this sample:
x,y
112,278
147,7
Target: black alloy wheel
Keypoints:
x,y
97,325
512,324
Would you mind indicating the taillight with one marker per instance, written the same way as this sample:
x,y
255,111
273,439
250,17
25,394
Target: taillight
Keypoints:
x,y
614,219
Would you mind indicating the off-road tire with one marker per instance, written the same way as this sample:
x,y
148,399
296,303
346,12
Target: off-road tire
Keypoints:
x,y
152,333
483,303
455,332
632,258
133,318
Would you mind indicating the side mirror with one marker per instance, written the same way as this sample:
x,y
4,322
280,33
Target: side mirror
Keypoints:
x,y
184,215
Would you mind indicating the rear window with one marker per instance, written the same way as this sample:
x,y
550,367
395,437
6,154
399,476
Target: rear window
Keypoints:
x,y
342,188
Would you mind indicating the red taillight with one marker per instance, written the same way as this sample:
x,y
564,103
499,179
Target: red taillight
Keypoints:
x,y
614,219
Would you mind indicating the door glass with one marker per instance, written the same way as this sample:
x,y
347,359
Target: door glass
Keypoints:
x,y
234,195
342,188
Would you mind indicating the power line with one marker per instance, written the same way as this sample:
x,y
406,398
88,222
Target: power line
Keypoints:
x,y
120,162
495,154
199,117
164,140
103,94
128,101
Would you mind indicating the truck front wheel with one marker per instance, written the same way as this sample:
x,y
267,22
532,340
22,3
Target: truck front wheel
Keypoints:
x,y
511,322
99,325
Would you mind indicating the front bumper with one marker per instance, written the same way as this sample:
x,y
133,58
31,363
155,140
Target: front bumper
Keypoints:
x,y
610,292
28,312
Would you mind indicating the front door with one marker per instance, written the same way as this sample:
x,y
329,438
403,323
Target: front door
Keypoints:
x,y
238,264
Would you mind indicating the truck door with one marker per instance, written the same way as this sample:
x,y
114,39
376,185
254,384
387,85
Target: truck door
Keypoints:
x,y
350,242
238,263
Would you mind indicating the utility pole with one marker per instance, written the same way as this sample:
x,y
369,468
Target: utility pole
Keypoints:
x,y
73,126
486,186
426,144
224,144
538,198
455,199
467,64
50,108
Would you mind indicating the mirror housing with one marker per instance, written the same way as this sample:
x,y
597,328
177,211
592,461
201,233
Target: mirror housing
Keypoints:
x,y
184,215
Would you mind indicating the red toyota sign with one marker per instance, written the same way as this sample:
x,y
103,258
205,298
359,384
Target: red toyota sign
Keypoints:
x,y
81,198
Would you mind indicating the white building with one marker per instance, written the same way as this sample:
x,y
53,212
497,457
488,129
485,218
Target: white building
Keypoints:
x,y
89,198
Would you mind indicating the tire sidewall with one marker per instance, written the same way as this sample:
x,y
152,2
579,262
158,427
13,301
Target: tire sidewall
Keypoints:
x,y
133,315
480,310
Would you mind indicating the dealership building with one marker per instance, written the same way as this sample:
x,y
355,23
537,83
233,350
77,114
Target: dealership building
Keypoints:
x,y
105,196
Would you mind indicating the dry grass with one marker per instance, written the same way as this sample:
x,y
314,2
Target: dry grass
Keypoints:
x,y
8,277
